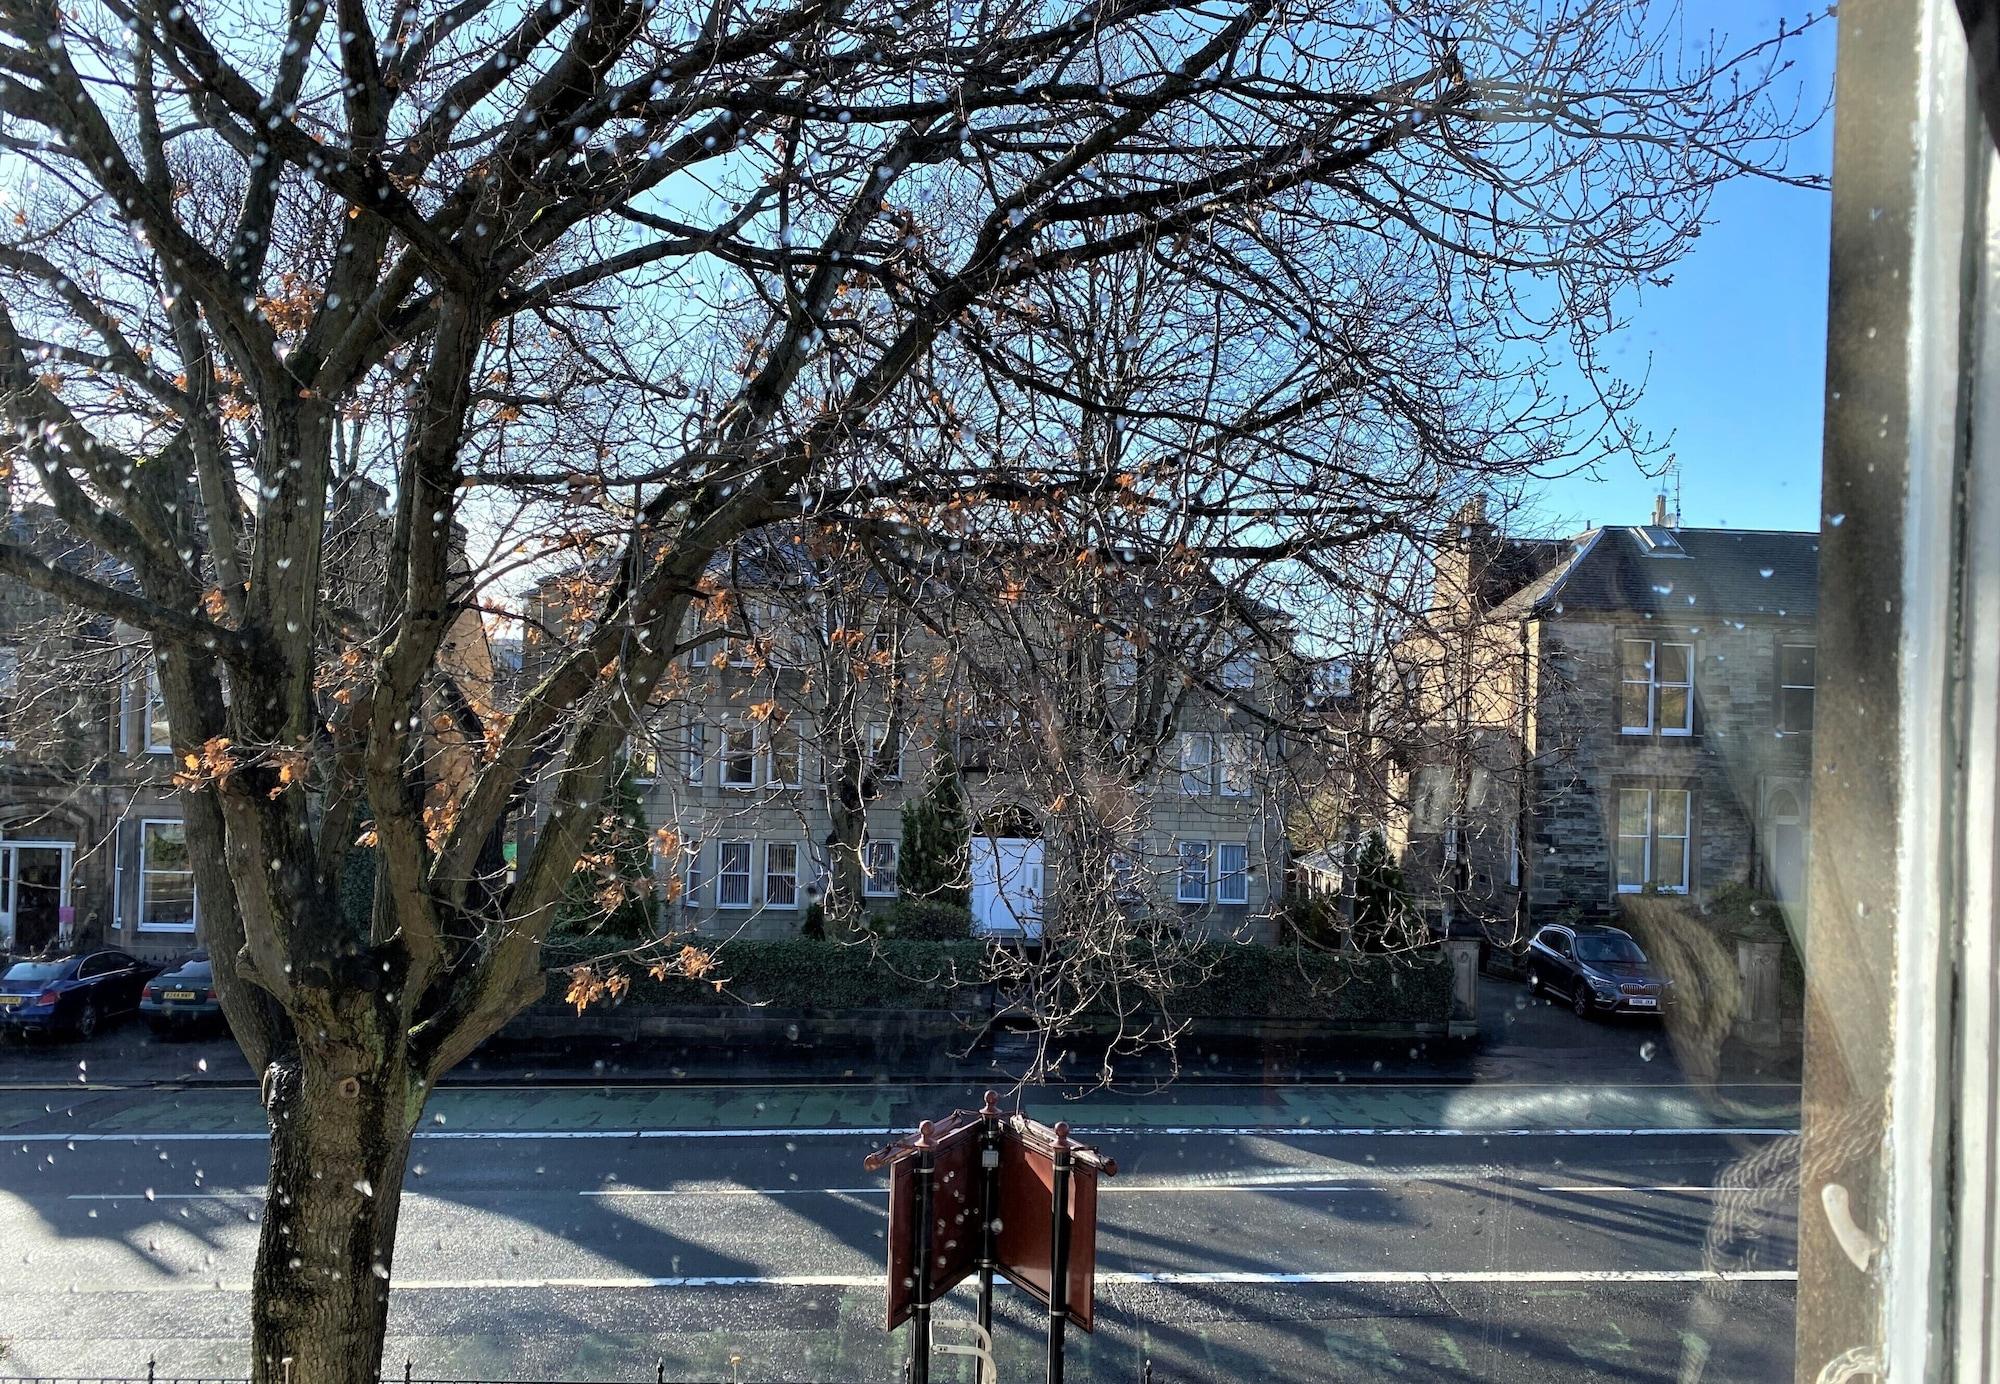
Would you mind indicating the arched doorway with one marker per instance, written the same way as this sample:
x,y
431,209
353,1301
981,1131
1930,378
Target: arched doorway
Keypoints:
x,y
1006,869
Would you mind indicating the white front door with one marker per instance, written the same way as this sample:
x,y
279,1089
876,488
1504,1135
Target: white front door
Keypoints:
x,y
1006,886
34,894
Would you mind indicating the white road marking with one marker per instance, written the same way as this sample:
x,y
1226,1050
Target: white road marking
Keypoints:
x,y
1615,1188
1104,1189
164,1196
875,1281
1092,1131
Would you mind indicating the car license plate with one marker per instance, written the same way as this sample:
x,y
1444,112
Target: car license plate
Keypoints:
x,y
10,1001
179,995
1644,1002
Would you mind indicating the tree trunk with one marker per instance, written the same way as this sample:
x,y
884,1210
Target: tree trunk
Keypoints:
x,y
340,1136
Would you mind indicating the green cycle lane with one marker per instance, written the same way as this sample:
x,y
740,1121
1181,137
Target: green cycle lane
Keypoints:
x,y
872,1108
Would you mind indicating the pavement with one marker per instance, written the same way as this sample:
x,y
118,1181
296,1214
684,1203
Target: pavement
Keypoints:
x,y
1558,1204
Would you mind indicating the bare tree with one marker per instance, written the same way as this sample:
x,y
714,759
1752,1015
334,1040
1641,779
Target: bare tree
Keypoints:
x,y
644,278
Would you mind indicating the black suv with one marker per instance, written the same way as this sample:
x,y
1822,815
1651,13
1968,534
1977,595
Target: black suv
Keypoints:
x,y
1600,970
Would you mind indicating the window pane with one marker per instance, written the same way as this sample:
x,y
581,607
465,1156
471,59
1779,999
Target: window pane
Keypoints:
x,y
1795,709
1634,807
1631,862
739,759
1796,665
781,878
1635,705
1635,660
166,880
1673,809
879,865
1232,862
1195,751
1193,883
1674,709
1671,663
1670,863
732,874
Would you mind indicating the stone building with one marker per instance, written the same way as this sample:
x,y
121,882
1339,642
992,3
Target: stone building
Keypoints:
x,y
92,850
1629,710
90,839
808,708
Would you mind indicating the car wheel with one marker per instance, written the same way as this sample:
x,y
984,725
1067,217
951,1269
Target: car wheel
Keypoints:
x,y
1581,1001
86,1021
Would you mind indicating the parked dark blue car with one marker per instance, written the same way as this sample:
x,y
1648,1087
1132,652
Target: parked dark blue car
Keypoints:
x,y
71,994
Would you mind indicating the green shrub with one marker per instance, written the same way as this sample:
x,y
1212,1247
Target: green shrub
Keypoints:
x,y
610,894
922,920
1314,916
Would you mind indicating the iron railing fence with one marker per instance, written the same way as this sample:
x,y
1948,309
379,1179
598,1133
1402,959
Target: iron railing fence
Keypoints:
x,y
408,1376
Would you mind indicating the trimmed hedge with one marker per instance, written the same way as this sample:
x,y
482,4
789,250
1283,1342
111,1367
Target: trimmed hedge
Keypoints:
x,y
922,920
802,973
1240,982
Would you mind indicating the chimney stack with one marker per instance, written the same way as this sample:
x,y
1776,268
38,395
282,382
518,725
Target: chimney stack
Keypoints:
x,y
1660,511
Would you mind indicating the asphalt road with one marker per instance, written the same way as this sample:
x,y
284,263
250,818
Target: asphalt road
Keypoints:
x,y
1491,1233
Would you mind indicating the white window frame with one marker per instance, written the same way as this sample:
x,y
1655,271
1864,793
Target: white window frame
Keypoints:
x,y
155,697
743,650
792,874
1621,836
878,735
697,758
1239,755
643,763
1651,839
691,876
777,732
1126,886
1654,685
1232,885
1685,836
10,687
723,874
1239,670
1202,775
746,737
1811,689
145,925
1121,661
869,848
1181,876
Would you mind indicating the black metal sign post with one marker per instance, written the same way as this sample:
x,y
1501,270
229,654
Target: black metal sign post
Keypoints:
x,y
1020,1167
920,1293
1058,1252
989,1208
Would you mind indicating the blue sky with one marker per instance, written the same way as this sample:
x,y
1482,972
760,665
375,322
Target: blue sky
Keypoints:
x,y
1735,349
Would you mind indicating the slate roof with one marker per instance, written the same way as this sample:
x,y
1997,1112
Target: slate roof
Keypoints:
x,y
1716,572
